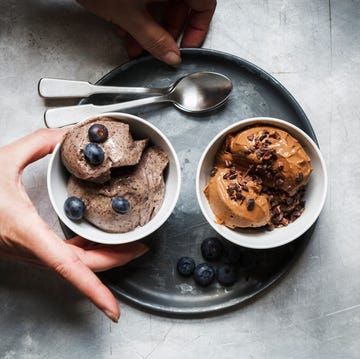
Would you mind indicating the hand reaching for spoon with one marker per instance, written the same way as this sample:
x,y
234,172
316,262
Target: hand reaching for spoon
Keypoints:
x,y
137,22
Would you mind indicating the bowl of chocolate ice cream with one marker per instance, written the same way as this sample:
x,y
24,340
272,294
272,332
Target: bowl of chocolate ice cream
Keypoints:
x,y
114,178
261,182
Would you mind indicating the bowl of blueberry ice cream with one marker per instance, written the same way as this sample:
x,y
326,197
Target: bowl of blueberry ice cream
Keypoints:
x,y
114,178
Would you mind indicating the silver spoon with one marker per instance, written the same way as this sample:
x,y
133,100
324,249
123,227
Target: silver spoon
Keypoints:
x,y
60,88
194,93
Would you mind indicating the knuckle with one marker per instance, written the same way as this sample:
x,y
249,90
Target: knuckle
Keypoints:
x,y
41,134
65,268
158,44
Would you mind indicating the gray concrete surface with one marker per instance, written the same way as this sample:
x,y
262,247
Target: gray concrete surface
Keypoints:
x,y
312,47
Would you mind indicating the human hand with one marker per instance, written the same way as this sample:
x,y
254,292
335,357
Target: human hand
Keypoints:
x,y
25,236
135,20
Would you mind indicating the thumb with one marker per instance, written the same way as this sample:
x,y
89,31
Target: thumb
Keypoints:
x,y
33,146
152,37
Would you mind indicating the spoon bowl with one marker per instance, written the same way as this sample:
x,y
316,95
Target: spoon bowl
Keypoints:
x,y
200,91
194,93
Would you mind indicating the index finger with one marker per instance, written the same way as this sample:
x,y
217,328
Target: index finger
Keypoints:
x,y
38,238
198,24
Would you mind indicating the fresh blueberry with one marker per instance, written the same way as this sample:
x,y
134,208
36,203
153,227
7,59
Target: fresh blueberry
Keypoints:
x,y
120,205
74,208
211,248
204,274
98,133
94,154
226,274
185,266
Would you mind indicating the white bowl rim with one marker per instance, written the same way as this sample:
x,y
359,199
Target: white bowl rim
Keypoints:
x,y
230,234
139,232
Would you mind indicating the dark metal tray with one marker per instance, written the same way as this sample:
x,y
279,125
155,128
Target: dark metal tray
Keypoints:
x,y
151,282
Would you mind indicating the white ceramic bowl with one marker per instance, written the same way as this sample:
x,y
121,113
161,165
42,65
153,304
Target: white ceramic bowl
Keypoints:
x,y
314,196
57,178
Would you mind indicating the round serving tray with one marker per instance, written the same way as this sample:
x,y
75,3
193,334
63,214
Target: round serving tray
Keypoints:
x,y
152,282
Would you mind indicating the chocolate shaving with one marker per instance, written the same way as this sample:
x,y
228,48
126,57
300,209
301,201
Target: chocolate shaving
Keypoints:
x,y
299,177
275,135
213,171
245,187
262,137
250,205
279,182
267,155
240,196
284,208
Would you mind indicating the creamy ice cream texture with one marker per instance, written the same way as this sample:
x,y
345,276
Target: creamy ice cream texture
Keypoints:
x,y
235,207
129,170
142,185
120,150
255,173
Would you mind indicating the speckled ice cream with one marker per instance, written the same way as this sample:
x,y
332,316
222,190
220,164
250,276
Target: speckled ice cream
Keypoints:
x,y
130,169
120,150
142,185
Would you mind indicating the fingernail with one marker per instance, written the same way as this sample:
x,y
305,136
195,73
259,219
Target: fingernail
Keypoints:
x,y
112,316
172,58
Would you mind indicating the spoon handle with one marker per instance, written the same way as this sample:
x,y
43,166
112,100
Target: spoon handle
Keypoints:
x,y
69,115
59,88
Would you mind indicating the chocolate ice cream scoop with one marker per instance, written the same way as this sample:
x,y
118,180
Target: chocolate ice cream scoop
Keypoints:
x,y
142,186
276,156
119,150
258,179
